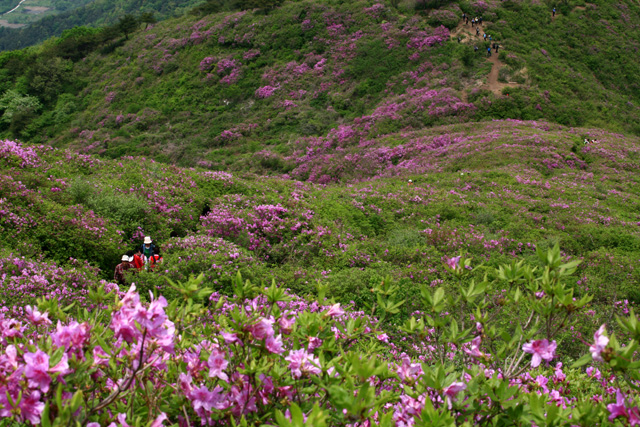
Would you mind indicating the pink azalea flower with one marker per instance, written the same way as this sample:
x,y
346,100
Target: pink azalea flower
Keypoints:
x,y
217,365
314,342
301,362
335,310
286,325
230,338
474,351
383,337
274,344
37,370
617,409
36,317
263,329
452,390
541,350
453,262
159,421
409,370
559,375
600,344
31,408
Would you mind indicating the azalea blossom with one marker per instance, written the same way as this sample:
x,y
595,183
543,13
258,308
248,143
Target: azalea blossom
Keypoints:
x,y
36,317
217,364
452,390
274,344
262,329
619,409
600,344
474,351
335,310
409,370
453,262
300,362
541,350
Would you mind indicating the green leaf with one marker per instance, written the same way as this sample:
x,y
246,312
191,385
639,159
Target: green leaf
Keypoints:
x,y
582,361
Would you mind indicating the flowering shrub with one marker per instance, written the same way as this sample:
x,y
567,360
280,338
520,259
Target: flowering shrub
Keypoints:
x,y
264,355
265,91
14,153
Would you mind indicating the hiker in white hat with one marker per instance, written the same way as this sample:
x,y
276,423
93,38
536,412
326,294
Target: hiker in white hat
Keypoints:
x,y
147,248
118,275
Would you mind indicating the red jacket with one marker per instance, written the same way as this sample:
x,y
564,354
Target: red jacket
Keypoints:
x,y
137,262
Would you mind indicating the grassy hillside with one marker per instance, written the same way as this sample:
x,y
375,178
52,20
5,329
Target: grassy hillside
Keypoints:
x,y
220,88
363,221
493,191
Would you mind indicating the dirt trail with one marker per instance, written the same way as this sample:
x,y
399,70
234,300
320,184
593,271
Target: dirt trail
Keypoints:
x,y
468,36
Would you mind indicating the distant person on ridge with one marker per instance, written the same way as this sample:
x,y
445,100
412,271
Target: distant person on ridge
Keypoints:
x,y
118,275
147,249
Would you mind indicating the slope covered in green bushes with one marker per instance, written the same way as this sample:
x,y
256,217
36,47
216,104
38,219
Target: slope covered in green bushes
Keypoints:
x,y
220,88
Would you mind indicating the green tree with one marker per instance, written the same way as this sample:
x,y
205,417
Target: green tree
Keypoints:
x,y
148,18
127,25
13,104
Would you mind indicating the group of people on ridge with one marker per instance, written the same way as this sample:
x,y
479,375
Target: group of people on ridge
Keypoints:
x,y
477,22
146,257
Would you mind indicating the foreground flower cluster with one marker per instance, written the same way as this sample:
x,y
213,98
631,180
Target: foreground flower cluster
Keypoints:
x,y
267,356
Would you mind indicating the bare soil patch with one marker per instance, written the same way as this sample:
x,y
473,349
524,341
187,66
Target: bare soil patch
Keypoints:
x,y
5,23
36,9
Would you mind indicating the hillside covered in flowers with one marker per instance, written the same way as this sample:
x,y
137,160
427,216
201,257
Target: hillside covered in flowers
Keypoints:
x,y
358,226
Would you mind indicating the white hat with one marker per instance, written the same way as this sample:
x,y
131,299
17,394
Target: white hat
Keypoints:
x,y
125,258
147,240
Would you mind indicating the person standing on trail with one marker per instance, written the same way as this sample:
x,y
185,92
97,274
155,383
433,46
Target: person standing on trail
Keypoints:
x,y
477,31
489,51
490,39
147,248
553,12
459,39
464,15
485,36
481,20
475,48
497,47
155,259
467,23
118,275
138,262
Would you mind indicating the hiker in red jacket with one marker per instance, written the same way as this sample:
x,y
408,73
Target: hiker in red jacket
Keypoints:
x,y
138,262
155,259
